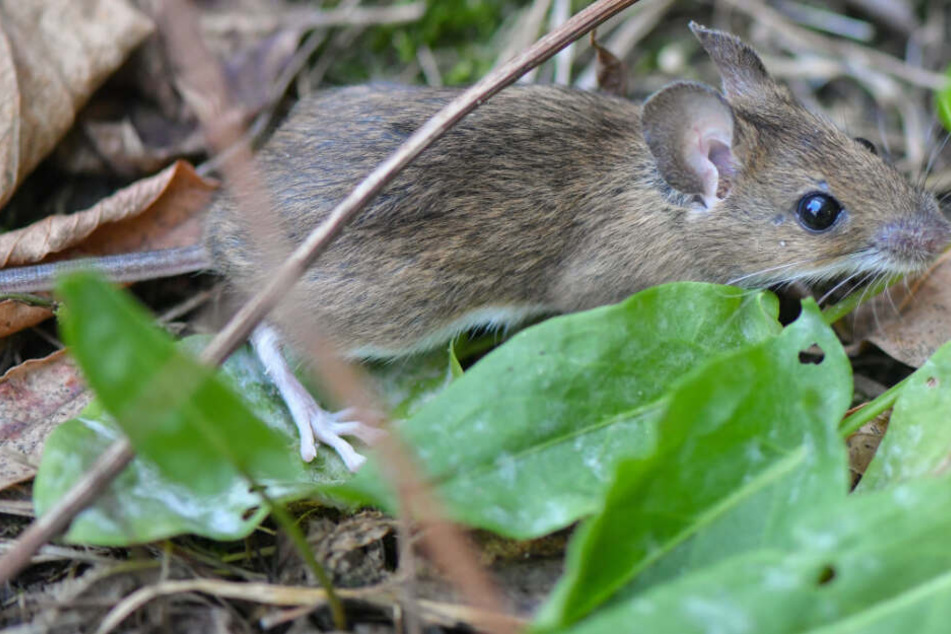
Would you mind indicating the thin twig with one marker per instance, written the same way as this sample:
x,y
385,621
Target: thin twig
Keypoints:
x,y
109,465
261,22
288,596
626,37
797,38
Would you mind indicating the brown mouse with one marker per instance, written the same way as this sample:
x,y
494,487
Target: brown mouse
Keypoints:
x,y
550,200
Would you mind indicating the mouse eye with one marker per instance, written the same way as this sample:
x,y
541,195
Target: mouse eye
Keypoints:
x,y
867,144
818,211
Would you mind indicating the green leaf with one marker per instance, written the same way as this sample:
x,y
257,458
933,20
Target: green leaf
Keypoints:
x,y
744,445
405,387
875,564
525,442
196,439
174,410
943,102
918,440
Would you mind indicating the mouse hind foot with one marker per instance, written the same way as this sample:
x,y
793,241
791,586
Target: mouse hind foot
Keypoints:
x,y
314,423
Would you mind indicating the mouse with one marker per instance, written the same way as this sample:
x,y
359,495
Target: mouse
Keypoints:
x,y
549,200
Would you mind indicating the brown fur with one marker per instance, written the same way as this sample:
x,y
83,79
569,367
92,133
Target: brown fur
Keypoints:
x,y
548,199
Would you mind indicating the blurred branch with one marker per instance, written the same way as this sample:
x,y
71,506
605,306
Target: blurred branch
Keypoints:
x,y
218,23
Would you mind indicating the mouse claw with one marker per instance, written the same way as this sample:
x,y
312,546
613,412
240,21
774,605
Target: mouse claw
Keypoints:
x,y
341,424
314,424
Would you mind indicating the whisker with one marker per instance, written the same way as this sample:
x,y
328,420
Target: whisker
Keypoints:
x,y
767,270
891,302
887,150
933,126
874,305
861,284
935,153
832,290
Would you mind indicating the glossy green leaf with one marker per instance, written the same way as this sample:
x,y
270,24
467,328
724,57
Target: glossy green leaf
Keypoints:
x,y
918,440
872,564
526,440
196,439
744,445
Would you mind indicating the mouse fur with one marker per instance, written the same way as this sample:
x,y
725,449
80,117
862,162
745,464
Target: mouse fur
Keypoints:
x,y
548,200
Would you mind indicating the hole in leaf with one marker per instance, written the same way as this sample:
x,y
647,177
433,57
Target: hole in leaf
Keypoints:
x,y
813,354
826,575
249,513
931,382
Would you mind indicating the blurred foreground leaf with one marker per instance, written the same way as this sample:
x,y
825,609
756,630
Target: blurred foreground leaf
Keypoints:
x,y
195,438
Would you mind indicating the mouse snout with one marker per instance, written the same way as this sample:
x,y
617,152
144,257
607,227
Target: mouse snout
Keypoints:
x,y
913,242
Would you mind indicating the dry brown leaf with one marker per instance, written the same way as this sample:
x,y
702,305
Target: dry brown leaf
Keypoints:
x,y
864,443
154,213
915,321
35,397
611,71
53,55
118,147
15,316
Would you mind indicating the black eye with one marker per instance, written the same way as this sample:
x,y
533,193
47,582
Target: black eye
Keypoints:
x,y
868,144
818,211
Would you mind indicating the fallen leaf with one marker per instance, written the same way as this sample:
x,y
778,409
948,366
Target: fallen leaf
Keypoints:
x,y
913,320
141,134
16,316
154,213
254,70
53,55
35,397
863,445
97,146
609,69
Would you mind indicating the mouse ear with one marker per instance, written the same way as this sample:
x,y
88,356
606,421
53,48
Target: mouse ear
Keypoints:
x,y
689,130
743,72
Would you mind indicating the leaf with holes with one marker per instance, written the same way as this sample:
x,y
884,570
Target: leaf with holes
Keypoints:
x,y
875,564
745,444
525,441
918,440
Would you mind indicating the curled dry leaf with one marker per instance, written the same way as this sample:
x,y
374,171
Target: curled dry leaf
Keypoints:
x,y
158,212
16,315
154,213
53,55
35,397
914,319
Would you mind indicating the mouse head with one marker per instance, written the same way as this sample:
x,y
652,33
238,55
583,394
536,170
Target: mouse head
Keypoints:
x,y
779,193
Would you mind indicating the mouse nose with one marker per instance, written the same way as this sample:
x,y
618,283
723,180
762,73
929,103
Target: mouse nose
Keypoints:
x,y
916,240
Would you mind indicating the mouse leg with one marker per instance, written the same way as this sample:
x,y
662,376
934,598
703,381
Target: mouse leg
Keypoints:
x,y
313,422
